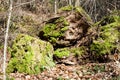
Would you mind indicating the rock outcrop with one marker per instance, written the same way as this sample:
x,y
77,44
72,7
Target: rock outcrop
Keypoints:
x,y
72,27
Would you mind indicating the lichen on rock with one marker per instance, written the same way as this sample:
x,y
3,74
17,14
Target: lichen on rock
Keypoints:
x,y
29,55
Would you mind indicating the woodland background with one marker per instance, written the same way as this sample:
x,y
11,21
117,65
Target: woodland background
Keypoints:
x,y
91,53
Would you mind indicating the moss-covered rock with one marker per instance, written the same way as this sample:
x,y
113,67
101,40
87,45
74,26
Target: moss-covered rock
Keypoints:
x,y
78,51
72,27
62,53
55,30
30,55
67,52
108,38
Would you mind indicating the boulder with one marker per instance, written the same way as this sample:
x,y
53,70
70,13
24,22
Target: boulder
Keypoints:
x,y
108,40
30,55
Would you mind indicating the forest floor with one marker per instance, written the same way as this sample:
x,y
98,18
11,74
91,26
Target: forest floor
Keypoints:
x,y
89,71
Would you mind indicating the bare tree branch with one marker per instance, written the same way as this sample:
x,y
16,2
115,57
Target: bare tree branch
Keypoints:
x,y
6,39
24,3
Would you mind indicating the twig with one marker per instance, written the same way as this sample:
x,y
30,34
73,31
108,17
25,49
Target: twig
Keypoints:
x,y
6,39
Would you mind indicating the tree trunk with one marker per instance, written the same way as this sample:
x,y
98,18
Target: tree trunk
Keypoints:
x,y
70,2
77,3
55,7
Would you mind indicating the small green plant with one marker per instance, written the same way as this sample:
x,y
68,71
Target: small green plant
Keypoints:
x,y
99,68
115,78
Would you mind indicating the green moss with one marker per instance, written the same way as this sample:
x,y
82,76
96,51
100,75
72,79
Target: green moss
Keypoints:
x,y
109,35
63,21
65,52
100,48
78,51
53,31
48,30
29,54
52,39
82,12
61,53
64,29
67,8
